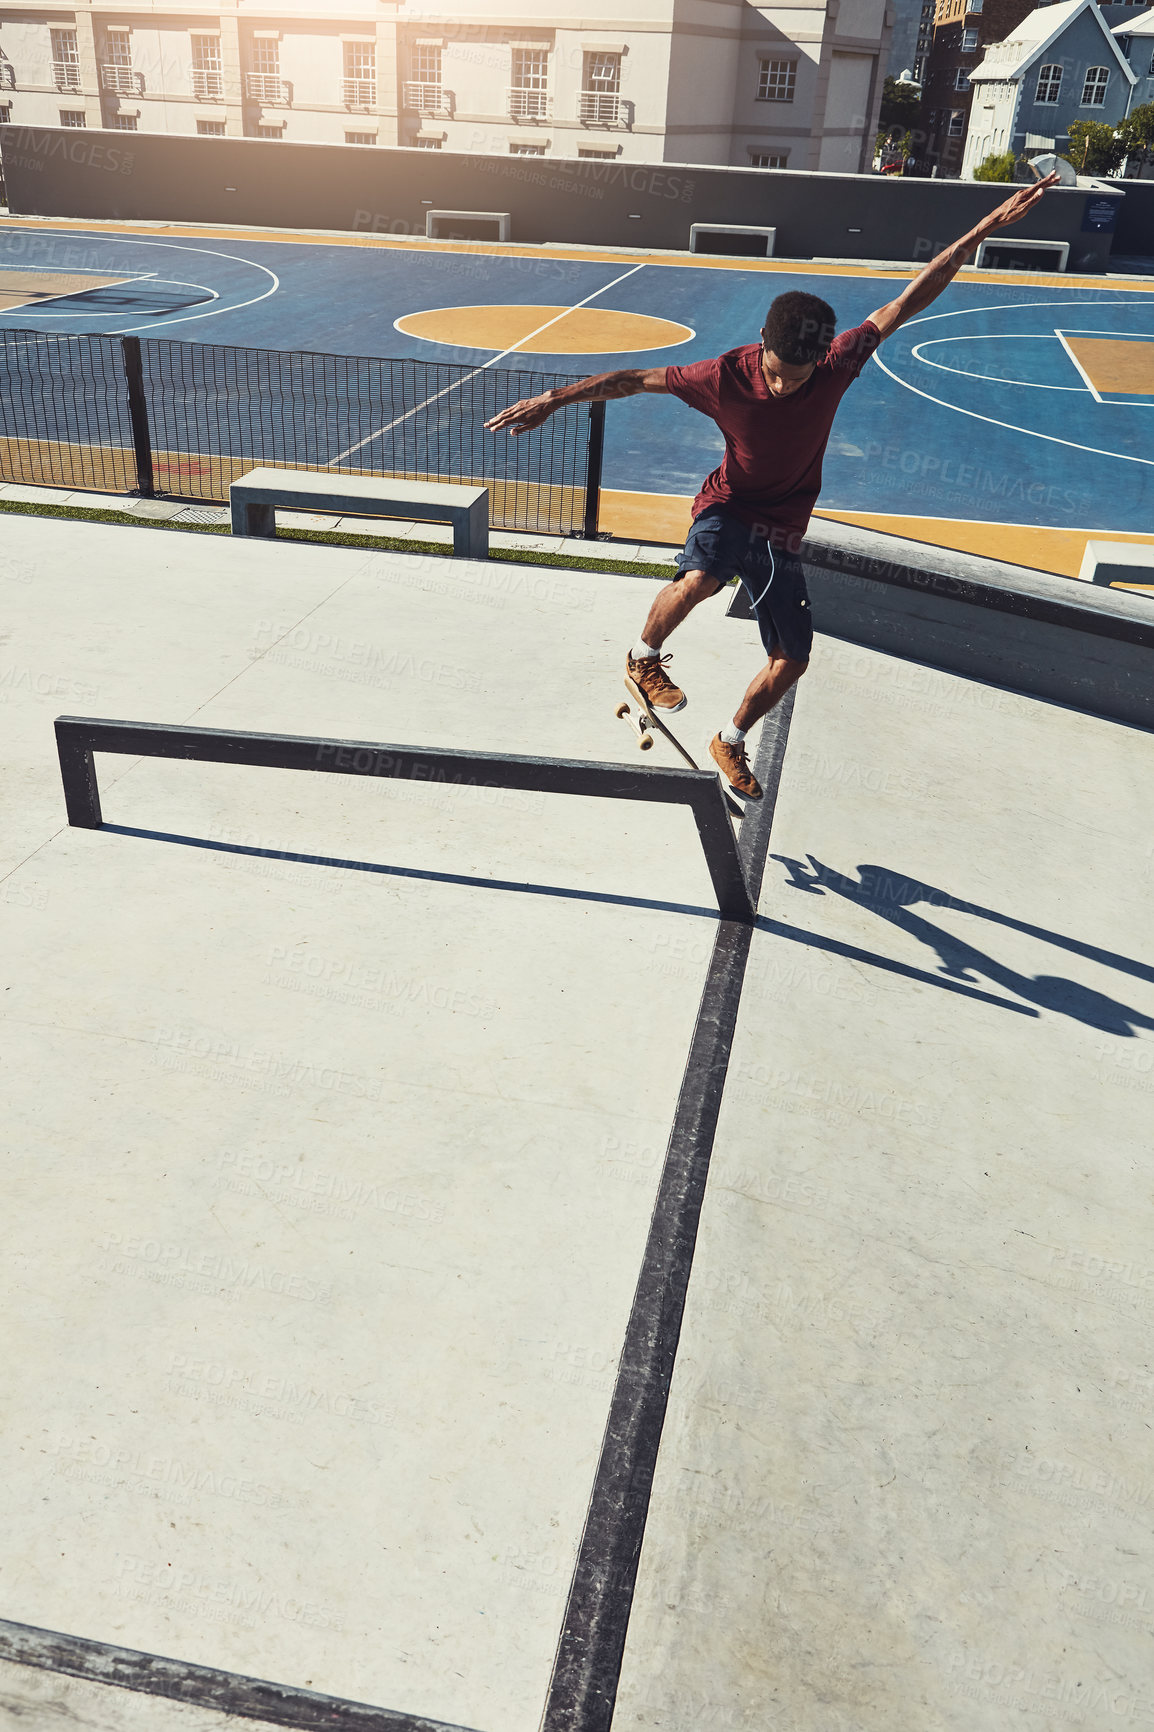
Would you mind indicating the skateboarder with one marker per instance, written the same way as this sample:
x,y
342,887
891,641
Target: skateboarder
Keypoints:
x,y
775,402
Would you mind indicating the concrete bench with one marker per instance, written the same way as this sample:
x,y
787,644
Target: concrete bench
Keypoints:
x,y
436,219
255,498
1118,562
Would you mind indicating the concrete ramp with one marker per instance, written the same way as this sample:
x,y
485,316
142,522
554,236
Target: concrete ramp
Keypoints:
x,y
384,1158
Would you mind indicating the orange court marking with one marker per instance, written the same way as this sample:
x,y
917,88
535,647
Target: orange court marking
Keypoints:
x,y
30,288
544,330
575,253
665,518
1115,365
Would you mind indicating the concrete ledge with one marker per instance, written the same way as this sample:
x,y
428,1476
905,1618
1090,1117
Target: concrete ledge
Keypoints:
x,y
502,218
1023,630
256,497
1118,562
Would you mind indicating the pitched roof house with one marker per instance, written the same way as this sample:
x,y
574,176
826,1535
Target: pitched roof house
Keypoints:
x,y
1060,64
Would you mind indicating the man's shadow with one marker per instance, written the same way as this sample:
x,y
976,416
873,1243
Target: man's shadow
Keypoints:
x,y
892,896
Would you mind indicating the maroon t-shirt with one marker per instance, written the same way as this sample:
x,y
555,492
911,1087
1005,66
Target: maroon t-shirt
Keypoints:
x,y
771,472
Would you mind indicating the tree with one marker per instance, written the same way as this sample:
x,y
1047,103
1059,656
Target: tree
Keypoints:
x,y
999,165
899,103
1137,132
1094,147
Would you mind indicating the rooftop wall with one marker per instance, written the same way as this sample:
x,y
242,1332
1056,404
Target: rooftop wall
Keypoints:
x,y
54,172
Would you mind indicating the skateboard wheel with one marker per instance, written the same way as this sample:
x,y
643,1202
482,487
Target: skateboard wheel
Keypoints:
x,y
645,742
621,710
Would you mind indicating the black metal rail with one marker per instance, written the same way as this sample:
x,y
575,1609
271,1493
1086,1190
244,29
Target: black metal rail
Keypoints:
x,y
78,737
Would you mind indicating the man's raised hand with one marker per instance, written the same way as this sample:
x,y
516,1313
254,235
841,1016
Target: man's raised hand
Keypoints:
x,y
524,416
1016,206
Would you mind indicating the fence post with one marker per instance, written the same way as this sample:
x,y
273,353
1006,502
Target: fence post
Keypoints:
x,y
595,459
138,416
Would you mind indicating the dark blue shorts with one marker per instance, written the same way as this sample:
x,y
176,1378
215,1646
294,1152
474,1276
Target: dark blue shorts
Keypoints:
x,y
723,547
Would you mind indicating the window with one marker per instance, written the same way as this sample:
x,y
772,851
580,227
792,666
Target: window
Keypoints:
x,y
603,73
777,80
600,102
1152,65
116,74
957,124
595,153
360,81
529,94
210,129
974,6
768,158
1049,84
123,123
429,143
263,82
526,150
360,138
424,90
270,131
264,56
961,78
5,113
73,117
65,60
969,39
1094,89
427,58
207,69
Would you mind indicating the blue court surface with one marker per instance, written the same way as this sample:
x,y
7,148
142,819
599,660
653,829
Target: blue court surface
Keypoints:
x,y
1021,403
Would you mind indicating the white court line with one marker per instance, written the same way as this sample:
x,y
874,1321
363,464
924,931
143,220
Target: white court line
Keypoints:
x,y
528,338
1123,402
171,246
208,252
992,378
1082,373
990,420
1014,307
67,294
1010,426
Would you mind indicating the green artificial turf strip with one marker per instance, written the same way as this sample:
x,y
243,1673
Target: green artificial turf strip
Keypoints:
x,y
371,543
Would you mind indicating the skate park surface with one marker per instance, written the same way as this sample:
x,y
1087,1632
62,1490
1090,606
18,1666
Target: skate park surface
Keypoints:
x,y
339,1113
1010,420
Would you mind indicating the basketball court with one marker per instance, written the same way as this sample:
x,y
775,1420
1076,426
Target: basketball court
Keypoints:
x,y
453,1282
1010,419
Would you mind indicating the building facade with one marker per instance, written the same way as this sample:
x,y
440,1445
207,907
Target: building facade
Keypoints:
x,y
1062,63
1135,37
699,81
913,36
963,31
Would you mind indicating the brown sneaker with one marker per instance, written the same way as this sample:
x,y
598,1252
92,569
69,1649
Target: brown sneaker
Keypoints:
x,y
734,766
648,673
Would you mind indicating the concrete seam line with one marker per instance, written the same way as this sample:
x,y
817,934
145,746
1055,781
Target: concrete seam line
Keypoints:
x,y
202,1686
591,1647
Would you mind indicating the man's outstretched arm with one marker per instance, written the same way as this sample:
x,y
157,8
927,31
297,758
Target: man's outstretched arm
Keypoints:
x,y
521,417
940,272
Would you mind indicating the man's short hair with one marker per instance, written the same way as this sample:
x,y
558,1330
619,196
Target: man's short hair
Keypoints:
x,y
799,328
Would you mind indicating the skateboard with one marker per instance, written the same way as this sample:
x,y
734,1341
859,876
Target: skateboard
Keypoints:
x,y
646,719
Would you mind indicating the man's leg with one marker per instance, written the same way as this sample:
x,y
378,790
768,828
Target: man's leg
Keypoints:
x,y
767,689
674,603
785,627
644,663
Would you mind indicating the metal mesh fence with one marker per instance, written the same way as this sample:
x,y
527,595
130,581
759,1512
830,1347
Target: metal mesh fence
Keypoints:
x,y
206,414
64,418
